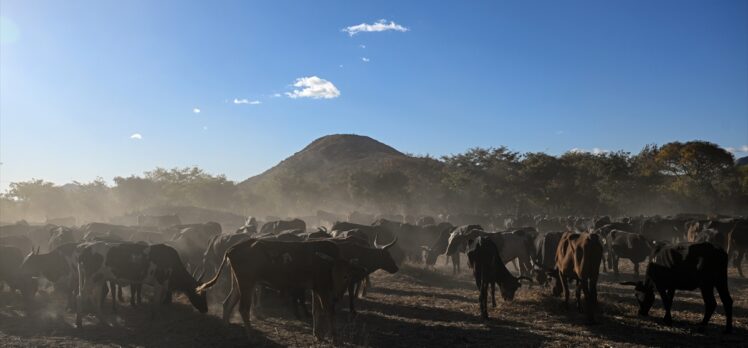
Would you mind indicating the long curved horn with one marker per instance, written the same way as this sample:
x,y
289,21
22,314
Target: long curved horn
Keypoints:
x,y
376,245
322,229
525,278
390,245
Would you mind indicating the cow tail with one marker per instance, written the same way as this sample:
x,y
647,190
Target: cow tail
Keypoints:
x,y
200,289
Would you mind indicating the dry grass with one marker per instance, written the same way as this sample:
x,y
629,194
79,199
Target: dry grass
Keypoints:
x,y
413,308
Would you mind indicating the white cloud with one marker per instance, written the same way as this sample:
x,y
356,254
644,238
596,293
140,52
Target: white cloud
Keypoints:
x,y
362,46
340,66
743,149
247,101
314,87
276,95
196,110
380,25
205,128
136,136
365,60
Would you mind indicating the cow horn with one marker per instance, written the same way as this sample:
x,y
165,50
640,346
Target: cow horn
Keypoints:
x,y
200,278
322,229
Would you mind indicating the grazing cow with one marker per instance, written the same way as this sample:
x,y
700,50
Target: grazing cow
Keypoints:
x,y
359,253
488,269
275,227
627,245
57,266
11,259
439,246
21,242
131,263
578,257
544,260
311,265
738,243
686,266
512,245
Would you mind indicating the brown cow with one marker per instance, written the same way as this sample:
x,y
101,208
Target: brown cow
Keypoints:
x,y
282,265
578,257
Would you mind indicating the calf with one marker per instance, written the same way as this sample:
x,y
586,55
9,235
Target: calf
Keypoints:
x,y
578,257
488,269
311,265
131,263
686,266
627,245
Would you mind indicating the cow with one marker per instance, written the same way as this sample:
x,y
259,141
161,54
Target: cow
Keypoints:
x,y
718,238
359,253
512,244
686,266
411,237
488,269
311,265
425,221
738,243
57,266
191,241
147,237
544,260
133,263
627,245
11,259
578,257
275,227
662,229
439,246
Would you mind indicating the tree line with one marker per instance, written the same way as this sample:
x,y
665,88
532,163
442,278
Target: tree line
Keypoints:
x,y
694,176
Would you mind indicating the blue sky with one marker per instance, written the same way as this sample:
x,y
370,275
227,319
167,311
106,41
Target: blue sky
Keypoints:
x,y
79,78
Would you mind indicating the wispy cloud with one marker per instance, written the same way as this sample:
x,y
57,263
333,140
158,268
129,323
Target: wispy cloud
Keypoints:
x,y
196,110
741,149
313,87
247,101
594,151
365,60
362,46
136,136
277,95
380,25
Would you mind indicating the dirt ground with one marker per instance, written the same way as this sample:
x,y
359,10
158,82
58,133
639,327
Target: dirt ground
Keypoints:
x,y
413,308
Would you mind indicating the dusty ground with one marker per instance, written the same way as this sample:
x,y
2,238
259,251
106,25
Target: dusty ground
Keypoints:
x,y
413,308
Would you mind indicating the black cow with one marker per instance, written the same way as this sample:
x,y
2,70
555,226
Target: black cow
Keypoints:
x,y
627,245
57,266
11,259
544,260
488,269
132,263
738,243
686,266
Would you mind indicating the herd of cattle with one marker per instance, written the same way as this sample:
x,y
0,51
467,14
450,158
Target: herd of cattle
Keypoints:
x,y
86,264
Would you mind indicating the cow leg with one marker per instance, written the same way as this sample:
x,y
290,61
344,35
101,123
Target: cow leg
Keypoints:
x,y
116,290
565,288
120,296
482,299
636,268
493,294
82,289
726,299
707,292
317,308
589,300
739,261
367,284
578,293
98,293
614,265
231,299
245,290
351,299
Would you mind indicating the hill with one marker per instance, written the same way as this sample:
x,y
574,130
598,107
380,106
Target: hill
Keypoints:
x,y
338,172
742,161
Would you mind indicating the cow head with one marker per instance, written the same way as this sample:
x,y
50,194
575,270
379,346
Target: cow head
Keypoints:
x,y
509,287
198,299
388,262
644,295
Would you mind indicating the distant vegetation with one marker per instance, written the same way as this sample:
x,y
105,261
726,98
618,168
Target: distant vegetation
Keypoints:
x,y
342,173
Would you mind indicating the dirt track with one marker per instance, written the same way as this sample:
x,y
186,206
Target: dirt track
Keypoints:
x,y
413,308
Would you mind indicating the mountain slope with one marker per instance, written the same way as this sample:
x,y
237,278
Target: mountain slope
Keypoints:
x,y
324,174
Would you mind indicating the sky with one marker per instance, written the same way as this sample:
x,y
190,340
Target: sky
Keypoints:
x,y
114,88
